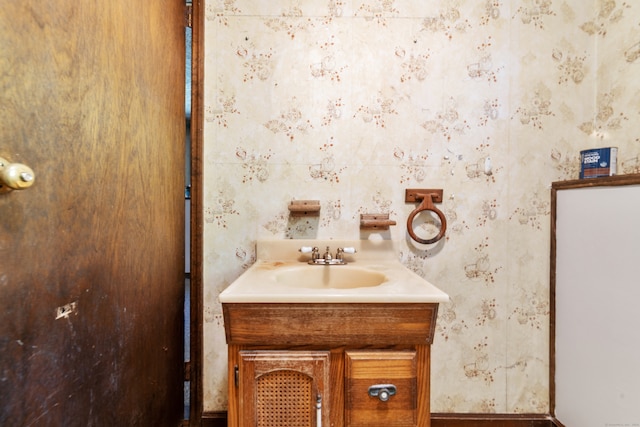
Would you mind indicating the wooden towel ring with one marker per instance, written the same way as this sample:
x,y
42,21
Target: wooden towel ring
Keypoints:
x,y
426,205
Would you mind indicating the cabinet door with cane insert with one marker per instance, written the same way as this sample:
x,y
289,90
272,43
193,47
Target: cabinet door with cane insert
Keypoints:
x,y
284,388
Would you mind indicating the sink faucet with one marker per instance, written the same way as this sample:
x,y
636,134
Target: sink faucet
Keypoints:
x,y
327,258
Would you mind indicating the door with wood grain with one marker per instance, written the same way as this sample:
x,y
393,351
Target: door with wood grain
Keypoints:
x,y
284,388
91,255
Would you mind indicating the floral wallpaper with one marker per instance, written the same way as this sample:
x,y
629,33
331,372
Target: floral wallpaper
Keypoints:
x,y
350,102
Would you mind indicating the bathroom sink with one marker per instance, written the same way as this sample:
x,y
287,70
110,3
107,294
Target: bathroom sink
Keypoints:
x,y
333,277
373,274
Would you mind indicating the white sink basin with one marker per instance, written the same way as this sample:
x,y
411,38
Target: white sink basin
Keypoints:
x,y
373,275
330,277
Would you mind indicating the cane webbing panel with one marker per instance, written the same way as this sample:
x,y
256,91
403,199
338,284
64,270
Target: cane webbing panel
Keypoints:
x,y
284,399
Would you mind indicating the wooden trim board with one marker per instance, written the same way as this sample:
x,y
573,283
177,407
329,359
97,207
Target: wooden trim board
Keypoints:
x,y
219,419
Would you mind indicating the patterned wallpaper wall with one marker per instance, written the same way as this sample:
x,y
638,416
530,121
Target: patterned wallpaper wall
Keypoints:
x,y
350,102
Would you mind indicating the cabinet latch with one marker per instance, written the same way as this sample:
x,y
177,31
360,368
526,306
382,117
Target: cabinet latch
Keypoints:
x,y
382,391
236,376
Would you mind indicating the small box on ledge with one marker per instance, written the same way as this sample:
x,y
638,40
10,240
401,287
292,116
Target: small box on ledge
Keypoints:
x,y
598,162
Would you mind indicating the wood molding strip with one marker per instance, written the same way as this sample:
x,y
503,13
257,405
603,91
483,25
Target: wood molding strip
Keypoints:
x,y
628,179
219,419
493,420
214,419
197,221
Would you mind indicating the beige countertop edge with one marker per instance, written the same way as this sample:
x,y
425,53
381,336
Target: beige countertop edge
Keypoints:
x,y
258,285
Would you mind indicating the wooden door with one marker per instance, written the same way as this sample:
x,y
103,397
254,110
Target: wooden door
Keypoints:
x,y
91,256
284,388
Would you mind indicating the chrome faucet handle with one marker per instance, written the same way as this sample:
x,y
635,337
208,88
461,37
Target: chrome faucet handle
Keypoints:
x,y
315,252
341,251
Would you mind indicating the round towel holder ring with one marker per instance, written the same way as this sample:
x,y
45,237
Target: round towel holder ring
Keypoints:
x,y
426,205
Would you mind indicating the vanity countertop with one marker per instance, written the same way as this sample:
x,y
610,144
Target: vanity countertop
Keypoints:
x,y
260,283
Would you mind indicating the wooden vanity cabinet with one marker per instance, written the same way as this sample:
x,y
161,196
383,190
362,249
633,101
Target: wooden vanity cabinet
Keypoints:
x,y
282,357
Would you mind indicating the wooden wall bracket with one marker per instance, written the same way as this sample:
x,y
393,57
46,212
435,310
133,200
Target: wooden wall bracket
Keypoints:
x,y
304,208
376,221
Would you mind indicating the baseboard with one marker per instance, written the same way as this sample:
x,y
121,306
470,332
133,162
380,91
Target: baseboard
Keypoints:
x,y
219,419
492,420
214,419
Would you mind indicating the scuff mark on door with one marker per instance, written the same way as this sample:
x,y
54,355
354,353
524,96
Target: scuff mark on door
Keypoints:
x,y
66,310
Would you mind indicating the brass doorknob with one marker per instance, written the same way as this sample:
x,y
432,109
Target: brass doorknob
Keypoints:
x,y
15,176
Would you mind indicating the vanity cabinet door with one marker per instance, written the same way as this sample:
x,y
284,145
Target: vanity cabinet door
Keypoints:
x,y
391,376
284,388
